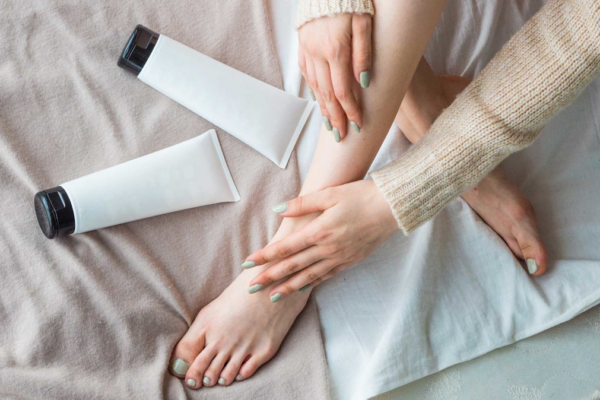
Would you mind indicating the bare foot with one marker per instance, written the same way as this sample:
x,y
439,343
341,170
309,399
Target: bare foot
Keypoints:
x,y
237,332
496,199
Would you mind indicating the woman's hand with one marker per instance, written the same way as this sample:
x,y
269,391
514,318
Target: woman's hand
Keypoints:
x,y
335,58
355,220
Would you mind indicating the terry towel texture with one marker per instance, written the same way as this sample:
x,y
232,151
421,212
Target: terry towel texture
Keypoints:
x,y
95,316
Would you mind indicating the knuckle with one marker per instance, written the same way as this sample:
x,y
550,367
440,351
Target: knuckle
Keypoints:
x,y
341,94
312,276
290,267
328,96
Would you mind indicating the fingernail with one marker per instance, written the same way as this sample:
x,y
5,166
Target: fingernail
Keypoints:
x,y
312,95
255,288
304,288
179,366
280,208
248,264
276,297
239,378
355,126
206,381
221,381
336,135
191,383
365,79
532,266
327,123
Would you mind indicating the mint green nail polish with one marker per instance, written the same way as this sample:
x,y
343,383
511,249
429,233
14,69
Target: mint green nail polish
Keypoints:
x,y
280,208
304,288
206,381
248,264
355,126
221,381
191,383
276,297
179,366
239,378
312,95
255,288
336,135
365,79
532,266
327,123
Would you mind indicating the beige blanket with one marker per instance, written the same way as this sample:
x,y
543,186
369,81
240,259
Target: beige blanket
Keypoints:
x,y
96,316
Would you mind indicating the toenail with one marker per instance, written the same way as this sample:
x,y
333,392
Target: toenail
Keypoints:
x,y
255,288
248,264
206,381
276,297
239,378
191,383
532,266
221,381
304,288
179,366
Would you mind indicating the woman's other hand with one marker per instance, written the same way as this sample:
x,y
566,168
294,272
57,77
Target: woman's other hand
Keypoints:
x,y
335,59
355,220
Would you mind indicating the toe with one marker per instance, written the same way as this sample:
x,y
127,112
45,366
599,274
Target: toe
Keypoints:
x,y
185,353
196,371
252,364
213,372
533,250
231,371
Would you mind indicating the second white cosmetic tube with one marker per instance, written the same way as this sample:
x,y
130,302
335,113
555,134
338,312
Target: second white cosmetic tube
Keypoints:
x,y
260,115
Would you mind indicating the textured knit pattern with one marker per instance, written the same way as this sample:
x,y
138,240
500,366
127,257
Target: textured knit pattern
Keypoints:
x,y
540,71
312,9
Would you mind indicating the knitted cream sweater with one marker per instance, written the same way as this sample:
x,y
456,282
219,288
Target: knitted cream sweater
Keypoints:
x,y
540,71
312,9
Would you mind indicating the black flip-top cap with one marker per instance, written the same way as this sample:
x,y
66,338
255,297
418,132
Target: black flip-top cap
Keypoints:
x,y
54,212
138,49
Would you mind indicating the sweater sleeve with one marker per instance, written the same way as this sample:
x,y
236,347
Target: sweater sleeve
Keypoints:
x,y
541,70
313,9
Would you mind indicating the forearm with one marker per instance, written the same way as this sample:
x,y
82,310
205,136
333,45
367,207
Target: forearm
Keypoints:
x,y
542,69
401,31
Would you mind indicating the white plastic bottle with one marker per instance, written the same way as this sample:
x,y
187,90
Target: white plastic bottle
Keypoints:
x,y
189,174
260,115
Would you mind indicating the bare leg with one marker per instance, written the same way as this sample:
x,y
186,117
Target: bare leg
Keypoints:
x,y
226,342
496,198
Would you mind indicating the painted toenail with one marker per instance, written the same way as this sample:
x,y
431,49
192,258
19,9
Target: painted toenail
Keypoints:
x,y
255,288
221,381
239,378
248,264
276,297
304,288
179,366
191,383
206,381
532,266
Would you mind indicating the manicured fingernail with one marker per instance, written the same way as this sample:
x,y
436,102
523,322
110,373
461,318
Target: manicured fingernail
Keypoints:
x,y
206,381
532,266
327,123
179,366
221,381
280,208
365,79
336,135
239,378
312,95
248,264
191,383
255,288
355,126
304,288
276,297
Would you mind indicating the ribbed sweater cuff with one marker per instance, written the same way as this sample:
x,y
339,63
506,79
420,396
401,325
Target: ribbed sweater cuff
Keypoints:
x,y
312,9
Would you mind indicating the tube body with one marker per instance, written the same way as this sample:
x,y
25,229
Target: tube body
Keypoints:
x,y
190,174
262,116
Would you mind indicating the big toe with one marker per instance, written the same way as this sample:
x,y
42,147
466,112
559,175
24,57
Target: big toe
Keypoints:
x,y
533,250
185,353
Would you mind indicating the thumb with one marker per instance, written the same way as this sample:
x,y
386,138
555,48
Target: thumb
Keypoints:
x,y
308,204
361,48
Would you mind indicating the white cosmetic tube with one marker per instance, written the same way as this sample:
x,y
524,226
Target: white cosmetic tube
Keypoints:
x,y
265,118
186,175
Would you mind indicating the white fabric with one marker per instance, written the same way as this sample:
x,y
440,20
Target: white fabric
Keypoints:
x,y
452,290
